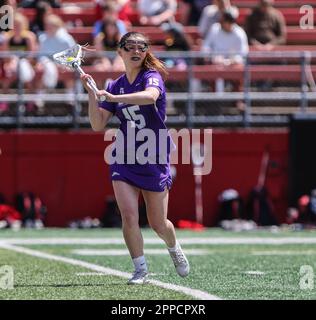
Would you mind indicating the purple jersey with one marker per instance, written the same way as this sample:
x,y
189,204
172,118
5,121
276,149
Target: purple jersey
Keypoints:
x,y
135,121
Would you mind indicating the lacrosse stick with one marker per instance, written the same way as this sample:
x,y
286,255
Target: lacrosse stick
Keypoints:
x,y
197,164
72,59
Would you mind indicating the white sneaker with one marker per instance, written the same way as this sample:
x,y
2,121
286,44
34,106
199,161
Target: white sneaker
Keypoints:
x,y
139,277
180,261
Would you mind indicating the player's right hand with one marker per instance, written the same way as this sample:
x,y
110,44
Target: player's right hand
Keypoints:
x,y
84,79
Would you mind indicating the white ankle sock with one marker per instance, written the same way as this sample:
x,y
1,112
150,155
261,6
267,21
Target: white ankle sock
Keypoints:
x,y
175,247
140,263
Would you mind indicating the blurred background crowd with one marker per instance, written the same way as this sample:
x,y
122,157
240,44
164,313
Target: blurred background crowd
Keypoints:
x,y
44,27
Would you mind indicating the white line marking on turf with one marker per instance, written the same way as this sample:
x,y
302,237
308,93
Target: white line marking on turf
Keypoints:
x,y
215,240
90,274
283,253
103,274
124,252
198,294
255,273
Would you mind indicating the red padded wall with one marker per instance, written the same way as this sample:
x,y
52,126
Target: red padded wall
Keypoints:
x,y
67,170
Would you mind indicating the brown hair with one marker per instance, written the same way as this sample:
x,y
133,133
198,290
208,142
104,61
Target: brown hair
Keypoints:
x,y
55,20
150,62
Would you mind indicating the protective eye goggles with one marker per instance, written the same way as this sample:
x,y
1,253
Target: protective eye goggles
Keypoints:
x,y
131,45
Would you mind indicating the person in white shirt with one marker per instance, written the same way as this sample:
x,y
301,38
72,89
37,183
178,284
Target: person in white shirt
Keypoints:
x,y
212,14
55,39
227,42
156,12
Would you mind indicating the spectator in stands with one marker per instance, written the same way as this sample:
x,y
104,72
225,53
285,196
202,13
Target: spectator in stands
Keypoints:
x,y
265,26
191,11
124,9
176,40
18,39
227,42
55,39
43,9
156,12
110,11
33,3
12,3
212,14
108,40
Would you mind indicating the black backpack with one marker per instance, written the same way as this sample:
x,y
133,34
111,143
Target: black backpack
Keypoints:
x,y
112,216
2,199
260,207
30,206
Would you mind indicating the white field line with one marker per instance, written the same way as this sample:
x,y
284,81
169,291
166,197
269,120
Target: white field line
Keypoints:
x,y
124,252
284,253
119,241
90,274
80,274
198,294
255,273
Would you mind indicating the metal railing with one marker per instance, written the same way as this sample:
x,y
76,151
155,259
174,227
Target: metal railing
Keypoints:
x,y
303,95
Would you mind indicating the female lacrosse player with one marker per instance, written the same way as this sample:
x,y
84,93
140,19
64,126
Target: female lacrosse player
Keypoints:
x,y
138,99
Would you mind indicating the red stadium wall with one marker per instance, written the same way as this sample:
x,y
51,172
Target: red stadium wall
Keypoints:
x,y
67,170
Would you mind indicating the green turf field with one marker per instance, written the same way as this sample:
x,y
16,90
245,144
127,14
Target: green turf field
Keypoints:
x,y
93,264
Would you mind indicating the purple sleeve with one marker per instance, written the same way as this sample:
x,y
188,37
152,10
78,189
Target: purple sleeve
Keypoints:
x,y
109,106
153,79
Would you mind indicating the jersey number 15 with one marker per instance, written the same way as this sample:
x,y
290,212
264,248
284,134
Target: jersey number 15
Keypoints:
x,y
137,118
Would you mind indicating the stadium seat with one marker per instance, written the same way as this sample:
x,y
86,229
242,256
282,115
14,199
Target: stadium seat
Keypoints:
x,y
210,73
277,3
88,15
295,35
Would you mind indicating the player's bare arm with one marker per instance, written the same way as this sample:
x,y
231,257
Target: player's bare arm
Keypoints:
x,y
98,117
148,96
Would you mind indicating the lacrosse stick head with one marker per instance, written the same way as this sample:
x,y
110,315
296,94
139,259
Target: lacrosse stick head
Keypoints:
x,y
70,57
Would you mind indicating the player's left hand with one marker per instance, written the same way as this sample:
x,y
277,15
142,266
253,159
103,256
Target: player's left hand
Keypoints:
x,y
106,95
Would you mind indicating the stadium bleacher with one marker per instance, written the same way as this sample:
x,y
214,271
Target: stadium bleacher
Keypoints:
x,y
87,15
288,72
212,72
85,12
295,35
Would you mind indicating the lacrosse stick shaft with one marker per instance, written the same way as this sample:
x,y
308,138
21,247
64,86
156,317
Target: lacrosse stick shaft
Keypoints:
x,y
91,82
77,67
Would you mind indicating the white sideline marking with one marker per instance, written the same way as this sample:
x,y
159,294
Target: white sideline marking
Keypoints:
x,y
90,274
283,253
124,252
151,274
255,273
198,294
215,240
